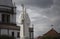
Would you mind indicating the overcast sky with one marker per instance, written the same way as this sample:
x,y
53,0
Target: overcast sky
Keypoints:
x,y
43,14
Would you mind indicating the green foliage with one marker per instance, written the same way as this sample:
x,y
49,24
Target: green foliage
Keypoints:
x,y
6,37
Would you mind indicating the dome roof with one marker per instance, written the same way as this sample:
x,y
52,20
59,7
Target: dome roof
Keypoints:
x,y
6,6
6,2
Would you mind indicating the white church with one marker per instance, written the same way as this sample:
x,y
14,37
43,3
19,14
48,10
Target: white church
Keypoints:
x,y
8,25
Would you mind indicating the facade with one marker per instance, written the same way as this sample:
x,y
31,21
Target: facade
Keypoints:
x,y
8,19
49,34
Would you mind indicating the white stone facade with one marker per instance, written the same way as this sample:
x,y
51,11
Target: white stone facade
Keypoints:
x,y
5,32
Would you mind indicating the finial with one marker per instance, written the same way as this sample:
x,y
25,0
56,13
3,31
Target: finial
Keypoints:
x,y
25,10
52,25
14,5
22,6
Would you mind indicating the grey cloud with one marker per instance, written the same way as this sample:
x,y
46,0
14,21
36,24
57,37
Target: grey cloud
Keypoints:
x,y
54,10
38,3
53,13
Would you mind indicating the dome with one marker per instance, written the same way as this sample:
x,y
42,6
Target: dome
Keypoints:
x,y
6,6
6,2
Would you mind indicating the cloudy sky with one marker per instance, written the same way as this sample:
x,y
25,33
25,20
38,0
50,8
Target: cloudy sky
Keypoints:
x,y
43,14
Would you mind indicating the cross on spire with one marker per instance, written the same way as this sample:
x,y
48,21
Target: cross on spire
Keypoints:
x,y
52,26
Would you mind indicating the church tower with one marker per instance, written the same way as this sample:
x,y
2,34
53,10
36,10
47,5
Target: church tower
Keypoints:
x,y
24,25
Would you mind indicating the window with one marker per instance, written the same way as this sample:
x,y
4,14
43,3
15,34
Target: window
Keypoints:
x,y
18,34
5,18
13,34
